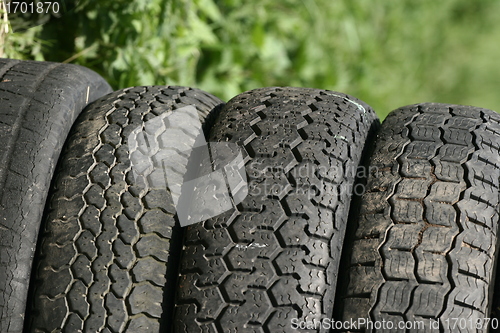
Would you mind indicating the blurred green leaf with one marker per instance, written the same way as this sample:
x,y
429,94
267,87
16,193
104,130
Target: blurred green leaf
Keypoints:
x,y
388,53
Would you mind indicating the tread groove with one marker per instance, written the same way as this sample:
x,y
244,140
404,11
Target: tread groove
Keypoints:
x,y
120,274
427,220
280,261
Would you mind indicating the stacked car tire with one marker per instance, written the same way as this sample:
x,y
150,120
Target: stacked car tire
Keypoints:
x,y
336,223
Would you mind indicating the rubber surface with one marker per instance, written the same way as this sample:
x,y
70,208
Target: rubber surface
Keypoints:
x,y
38,103
426,245
275,257
106,260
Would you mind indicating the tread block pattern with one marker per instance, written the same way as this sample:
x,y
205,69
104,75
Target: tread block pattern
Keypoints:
x,y
427,237
105,252
39,103
276,256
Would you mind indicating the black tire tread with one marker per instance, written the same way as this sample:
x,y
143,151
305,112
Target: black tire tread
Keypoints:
x,y
426,242
105,251
228,285
39,103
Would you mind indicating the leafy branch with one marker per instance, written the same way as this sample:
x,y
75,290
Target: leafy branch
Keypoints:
x,y
4,27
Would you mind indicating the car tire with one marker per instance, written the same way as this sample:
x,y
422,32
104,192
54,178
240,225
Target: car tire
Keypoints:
x,y
273,258
425,248
39,103
109,248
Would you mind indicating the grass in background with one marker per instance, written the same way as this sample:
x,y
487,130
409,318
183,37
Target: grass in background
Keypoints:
x,y
387,53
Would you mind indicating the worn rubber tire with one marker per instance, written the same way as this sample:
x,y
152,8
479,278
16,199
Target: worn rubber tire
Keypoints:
x,y
426,245
275,257
39,103
109,249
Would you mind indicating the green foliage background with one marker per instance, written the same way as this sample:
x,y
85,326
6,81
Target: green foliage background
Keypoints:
x,y
388,53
